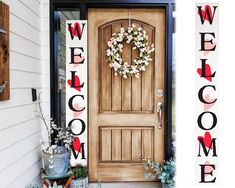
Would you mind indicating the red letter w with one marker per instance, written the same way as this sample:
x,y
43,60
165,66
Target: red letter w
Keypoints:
x,y
76,30
206,14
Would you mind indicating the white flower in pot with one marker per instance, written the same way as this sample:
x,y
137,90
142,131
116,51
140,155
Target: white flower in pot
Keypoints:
x,y
56,158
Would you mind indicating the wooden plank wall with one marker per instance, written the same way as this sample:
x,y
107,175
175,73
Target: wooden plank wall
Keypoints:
x,y
29,68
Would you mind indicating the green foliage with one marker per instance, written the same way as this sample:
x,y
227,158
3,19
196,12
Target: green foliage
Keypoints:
x,y
80,172
165,171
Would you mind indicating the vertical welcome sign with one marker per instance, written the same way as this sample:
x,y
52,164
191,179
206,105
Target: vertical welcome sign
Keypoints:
x,y
207,45
76,88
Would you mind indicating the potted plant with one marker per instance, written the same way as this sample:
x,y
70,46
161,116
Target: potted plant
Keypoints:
x,y
56,158
165,172
80,180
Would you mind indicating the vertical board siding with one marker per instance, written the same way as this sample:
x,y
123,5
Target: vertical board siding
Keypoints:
x,y
20,130
147,77
116,145
136,102
117,93
116,80
105,75
147,143
106,144
126,145
136,145
126,83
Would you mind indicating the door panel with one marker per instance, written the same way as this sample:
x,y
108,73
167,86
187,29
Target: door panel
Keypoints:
x,y
125,144
122,112
120,94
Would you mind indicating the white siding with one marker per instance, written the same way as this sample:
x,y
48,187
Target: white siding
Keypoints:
x,y
20,131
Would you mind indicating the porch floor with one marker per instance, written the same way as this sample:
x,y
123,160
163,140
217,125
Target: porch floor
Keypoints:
x,y
127,185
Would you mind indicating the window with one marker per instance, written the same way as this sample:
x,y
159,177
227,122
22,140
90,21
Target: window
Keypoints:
x,y
60,17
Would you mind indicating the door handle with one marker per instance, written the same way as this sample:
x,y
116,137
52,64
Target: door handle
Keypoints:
x,y
160,109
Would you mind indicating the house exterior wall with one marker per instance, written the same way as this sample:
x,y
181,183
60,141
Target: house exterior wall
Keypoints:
x,y
20,130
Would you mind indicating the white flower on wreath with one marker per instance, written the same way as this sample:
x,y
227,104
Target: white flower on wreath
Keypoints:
x,y
136,37
122,30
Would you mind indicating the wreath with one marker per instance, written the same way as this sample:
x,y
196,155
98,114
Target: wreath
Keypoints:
x,y
136,37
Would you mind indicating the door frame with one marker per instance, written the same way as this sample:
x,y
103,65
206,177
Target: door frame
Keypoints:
x,y
83,6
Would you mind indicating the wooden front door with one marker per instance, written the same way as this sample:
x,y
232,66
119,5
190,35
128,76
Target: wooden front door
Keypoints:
x,y
122,112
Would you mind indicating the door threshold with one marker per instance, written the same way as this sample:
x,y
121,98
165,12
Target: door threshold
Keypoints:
x,y
128,185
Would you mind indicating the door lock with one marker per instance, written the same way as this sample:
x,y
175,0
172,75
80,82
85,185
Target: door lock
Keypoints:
x,y
160,93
